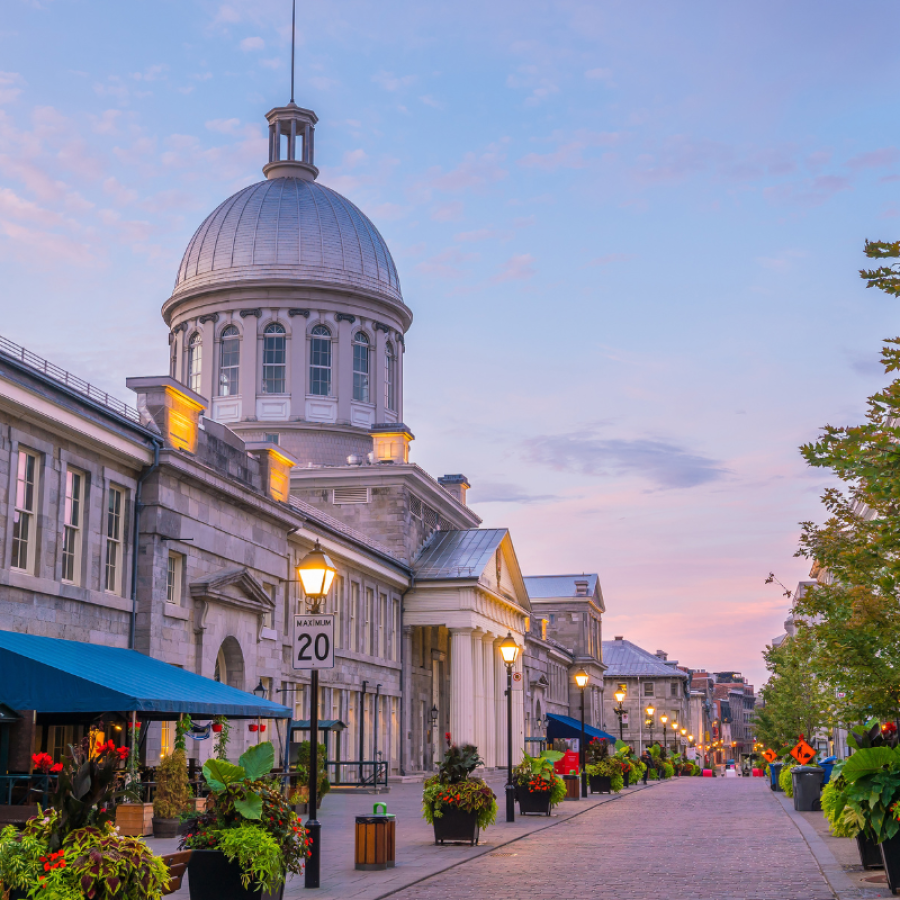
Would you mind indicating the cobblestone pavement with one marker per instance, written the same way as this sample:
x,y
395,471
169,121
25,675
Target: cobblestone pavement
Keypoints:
x,y
688,839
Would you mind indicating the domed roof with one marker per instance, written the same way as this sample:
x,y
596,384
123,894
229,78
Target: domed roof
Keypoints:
x,y
289,229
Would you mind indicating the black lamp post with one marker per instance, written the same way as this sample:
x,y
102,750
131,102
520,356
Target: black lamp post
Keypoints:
x,y
316,572
581,679
260,692
509,650
650,711
620,710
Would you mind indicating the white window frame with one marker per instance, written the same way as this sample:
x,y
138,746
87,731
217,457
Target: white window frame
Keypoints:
x,y
274,359
115,561
174,575
390,377
73,521
25,511
368,637
321,333
194,361
362,367
230,374
354,615
649,689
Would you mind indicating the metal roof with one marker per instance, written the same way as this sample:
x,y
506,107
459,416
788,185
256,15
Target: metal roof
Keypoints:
x,y
553,586
458,554
289,228
626,660
50,675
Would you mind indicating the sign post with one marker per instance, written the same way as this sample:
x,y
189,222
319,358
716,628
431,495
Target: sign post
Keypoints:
x,y
313,650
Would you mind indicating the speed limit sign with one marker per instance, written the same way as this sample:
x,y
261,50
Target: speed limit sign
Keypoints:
x,y
314,642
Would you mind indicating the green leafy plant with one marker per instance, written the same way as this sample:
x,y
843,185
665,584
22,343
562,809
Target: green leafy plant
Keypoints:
x,y
182,727
258,855
173,790
872,777
454,787
222,730
303,765
785,780
834,807
536,775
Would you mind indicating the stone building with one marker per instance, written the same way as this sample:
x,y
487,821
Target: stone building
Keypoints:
x,y
175,527
649,679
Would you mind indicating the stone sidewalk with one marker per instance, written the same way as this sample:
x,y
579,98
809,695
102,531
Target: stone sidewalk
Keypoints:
x,y
417,855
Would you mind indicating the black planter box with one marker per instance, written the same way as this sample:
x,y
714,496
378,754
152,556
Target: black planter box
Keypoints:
x,y
165,828
600,784
212,877
890,855
455,825
869,854
627,776
532,802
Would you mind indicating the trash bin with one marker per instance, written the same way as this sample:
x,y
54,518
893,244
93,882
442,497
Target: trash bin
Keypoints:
x,y
774,772
807,787
375,840
828,765
573,787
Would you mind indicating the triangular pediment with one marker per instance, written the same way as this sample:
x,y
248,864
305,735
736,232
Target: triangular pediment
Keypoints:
x,y
233,587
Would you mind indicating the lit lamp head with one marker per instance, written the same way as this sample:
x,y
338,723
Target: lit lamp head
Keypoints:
x,y
650,711
674,726
619,695
316,572
581,679
691,738
664,718
509,650
684,730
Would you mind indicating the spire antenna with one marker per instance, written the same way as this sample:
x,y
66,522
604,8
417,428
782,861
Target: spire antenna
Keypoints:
x,y
293,39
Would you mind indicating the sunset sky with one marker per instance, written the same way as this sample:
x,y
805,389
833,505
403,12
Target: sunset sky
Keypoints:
x,y
629,235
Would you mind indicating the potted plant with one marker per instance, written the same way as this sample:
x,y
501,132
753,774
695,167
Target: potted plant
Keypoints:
x,y
73,849
221,729
173,795
134,817
538,787
250,840
604,771
457,805
302,770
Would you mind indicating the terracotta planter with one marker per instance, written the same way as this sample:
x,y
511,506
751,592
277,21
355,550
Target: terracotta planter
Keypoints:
x,y
455,826
212,877
533,802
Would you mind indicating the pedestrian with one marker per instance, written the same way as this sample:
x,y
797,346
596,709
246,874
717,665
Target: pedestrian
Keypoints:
x,y
647,760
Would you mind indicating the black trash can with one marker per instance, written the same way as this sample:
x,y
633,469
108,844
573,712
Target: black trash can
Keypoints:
x,y
774,772
807,787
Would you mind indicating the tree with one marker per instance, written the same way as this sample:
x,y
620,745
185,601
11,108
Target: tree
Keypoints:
x,y
855,618
794,700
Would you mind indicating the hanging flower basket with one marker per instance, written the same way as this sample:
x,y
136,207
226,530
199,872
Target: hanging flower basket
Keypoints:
x,y
262,727
254,728
217,728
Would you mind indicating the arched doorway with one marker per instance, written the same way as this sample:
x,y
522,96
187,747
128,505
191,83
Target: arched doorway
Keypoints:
x,y
230,664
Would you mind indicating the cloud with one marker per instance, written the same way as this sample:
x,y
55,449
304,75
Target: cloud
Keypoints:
x,y
664,464
106,123
122,195
529,77
611,258
250,44
782,261
865,364
874,159
449,212
428,100
446,264
604,75
151,73
353,158
570,155
275,63
474,171
516,268
9,90
810,193
224,126
391,82
482,234
502,492
323,82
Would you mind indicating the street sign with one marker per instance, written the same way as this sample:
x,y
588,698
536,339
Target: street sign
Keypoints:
x,y
803,753
313,642
518,681
625,719
770,756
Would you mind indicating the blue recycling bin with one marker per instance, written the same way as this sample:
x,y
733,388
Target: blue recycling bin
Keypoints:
x,y
828,765
775,771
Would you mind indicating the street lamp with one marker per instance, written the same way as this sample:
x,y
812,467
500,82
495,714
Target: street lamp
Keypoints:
x,y
620,710
581,679
260,692
434,716
650,711
664,718
509,650
315,572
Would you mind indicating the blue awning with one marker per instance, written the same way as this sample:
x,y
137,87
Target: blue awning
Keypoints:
x,y
50,675
567,727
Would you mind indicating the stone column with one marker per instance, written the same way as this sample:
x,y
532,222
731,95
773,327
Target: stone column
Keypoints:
x,y
342,369
249,376
406,722
297,344
462,687
490,703
518,710
480,713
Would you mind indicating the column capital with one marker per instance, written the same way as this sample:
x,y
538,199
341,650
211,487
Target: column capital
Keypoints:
x,y
461,629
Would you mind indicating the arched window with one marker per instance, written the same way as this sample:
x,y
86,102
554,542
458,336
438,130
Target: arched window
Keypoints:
x,y
194,361
390,377
320,362
360,367
230,362
273,359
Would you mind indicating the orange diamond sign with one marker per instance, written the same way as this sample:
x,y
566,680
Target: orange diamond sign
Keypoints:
x,y
803,753
770,756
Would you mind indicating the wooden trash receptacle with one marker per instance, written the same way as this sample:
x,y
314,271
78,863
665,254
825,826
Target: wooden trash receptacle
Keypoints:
x,y
375,842
573,787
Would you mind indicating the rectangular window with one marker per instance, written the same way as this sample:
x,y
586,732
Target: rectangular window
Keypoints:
x,y
382,625
337,592
368,637
71,555
269,617
114,541
274,362
397,636
648,688
174,569
320,362
166,735
24,516
354,616
674,688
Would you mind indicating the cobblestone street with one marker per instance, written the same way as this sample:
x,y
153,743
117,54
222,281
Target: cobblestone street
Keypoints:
x,y
688,839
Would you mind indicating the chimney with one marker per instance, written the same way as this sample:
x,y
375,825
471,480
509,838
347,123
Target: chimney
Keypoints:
x,y
391,443
581,588
275,466
174,409
618,637
455,485
662,655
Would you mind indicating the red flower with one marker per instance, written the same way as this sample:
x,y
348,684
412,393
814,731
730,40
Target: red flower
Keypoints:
x,y
447,735
56,769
